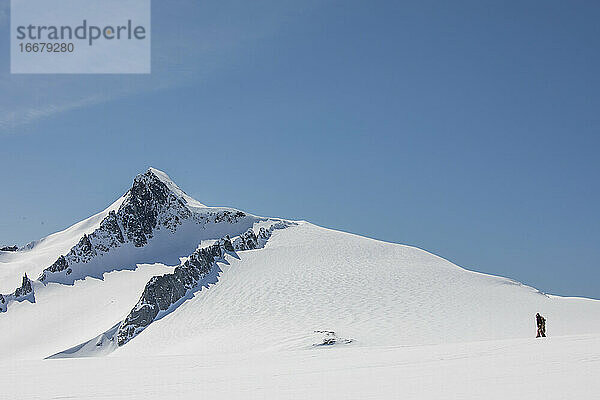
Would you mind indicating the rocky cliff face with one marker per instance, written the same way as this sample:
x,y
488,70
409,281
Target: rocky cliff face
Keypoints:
x,y
25,288
162,292
150,204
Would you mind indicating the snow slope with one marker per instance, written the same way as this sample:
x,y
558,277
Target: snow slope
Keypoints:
x,y
380,294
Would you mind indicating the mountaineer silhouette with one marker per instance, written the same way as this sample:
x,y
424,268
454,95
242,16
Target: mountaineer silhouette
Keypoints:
x,y
541,325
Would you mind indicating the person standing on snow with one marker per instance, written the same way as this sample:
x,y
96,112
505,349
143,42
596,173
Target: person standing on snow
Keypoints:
x,y
541,325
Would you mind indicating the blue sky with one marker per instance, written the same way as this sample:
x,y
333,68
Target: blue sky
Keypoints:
x,y
466,128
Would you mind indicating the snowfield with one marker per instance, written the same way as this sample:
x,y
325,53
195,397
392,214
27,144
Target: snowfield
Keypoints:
x,y
554,369
418,326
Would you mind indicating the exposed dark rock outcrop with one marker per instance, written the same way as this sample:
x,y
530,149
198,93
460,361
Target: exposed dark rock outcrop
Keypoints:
x,y
23,292
59,265
83,251
109,235
25,289
227,216
150,203
162,292
246,241
9,248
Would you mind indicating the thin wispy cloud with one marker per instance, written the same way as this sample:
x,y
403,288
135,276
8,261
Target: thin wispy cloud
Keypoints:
x,y
190,41
12,119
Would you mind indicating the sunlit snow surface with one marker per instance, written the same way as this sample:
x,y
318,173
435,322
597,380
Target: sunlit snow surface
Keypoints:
x,y
422,328
553,369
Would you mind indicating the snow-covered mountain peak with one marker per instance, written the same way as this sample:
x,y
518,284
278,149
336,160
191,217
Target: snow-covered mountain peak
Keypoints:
x,y
153,221
172,186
